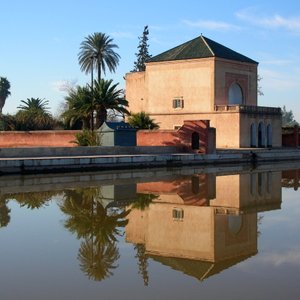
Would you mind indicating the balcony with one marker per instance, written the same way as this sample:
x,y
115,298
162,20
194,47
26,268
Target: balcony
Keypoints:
x,y
262,110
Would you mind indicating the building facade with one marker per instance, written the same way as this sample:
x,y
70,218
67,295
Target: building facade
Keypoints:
x,y
203,80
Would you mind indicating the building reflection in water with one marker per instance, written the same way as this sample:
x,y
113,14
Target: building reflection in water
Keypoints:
x,y
203,224
197,224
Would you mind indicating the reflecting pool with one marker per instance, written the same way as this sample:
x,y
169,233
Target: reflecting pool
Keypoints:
x,y
186,233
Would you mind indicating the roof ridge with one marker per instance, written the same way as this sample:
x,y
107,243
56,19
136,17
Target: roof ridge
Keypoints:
x,y
200,47
207,45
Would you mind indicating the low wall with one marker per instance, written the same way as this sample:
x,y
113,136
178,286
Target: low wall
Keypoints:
x,y
193,136
183,137
290,136
44,152
45,138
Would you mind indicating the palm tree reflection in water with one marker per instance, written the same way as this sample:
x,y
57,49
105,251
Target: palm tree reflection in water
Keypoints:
x,y
98,226
4,213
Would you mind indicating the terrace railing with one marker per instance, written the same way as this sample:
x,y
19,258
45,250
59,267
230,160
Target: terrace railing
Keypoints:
x,y
265,110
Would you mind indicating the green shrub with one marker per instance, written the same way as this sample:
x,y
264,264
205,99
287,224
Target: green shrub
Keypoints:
x,y
87,138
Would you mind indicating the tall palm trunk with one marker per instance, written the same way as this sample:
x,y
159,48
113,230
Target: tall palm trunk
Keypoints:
x,y
99,71
2,102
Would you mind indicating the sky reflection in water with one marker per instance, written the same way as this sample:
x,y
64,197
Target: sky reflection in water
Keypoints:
x,y
152,235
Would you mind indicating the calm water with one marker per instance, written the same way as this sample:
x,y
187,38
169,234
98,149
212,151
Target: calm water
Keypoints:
x,y
158,234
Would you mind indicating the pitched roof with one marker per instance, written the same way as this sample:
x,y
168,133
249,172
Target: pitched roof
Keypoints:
x,y
200,47
200,269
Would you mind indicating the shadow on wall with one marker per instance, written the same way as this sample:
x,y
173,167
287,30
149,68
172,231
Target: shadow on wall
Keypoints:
x,y
193,136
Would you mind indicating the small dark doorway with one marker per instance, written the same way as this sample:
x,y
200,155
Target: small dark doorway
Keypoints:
x,y
195,185
195,140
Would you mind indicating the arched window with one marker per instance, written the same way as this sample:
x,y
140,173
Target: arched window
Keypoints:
x,y
235,94
253,135
269,135
235,224
261,135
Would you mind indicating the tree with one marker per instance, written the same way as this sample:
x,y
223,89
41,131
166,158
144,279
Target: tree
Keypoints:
x,y
4,91
107,96
97,52
142,259
143,54
288,118
142,120
98,260
7,122
34,115
83,102
4,213
79,108
259,88
98,227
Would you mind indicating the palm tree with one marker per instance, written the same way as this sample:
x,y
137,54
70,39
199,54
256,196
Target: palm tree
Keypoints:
x,y
35,104
4,91
88,218
142,259
97,52
108,97
98,260
4,213
79,107
34,115
142,120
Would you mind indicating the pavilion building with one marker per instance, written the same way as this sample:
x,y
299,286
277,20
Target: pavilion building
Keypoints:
x,y
204,80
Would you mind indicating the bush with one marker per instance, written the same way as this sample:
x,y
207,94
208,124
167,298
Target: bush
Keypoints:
x,y
87,138
7,123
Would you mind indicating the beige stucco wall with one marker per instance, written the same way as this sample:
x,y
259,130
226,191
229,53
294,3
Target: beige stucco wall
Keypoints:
x,y
227,125
242,191
201,234
191,80
193,237
136,91
228,72
274,120
202,84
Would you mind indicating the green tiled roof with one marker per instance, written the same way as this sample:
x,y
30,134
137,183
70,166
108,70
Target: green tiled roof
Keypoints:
x,y
200,47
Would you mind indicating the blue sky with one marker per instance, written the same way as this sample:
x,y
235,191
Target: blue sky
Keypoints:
x,y
40,40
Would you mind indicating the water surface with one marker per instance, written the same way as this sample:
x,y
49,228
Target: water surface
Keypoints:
x,y
152,234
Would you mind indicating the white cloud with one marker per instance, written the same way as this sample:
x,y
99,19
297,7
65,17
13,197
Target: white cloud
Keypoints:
x,y
64,85
277,259
211,25
275,21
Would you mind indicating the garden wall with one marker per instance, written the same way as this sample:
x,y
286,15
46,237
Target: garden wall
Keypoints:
x,y
192,136
290,136
45,138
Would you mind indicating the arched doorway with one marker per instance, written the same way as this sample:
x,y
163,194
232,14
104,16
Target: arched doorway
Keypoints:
x,y
195,140
269,135
261,135
235,94
253,135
